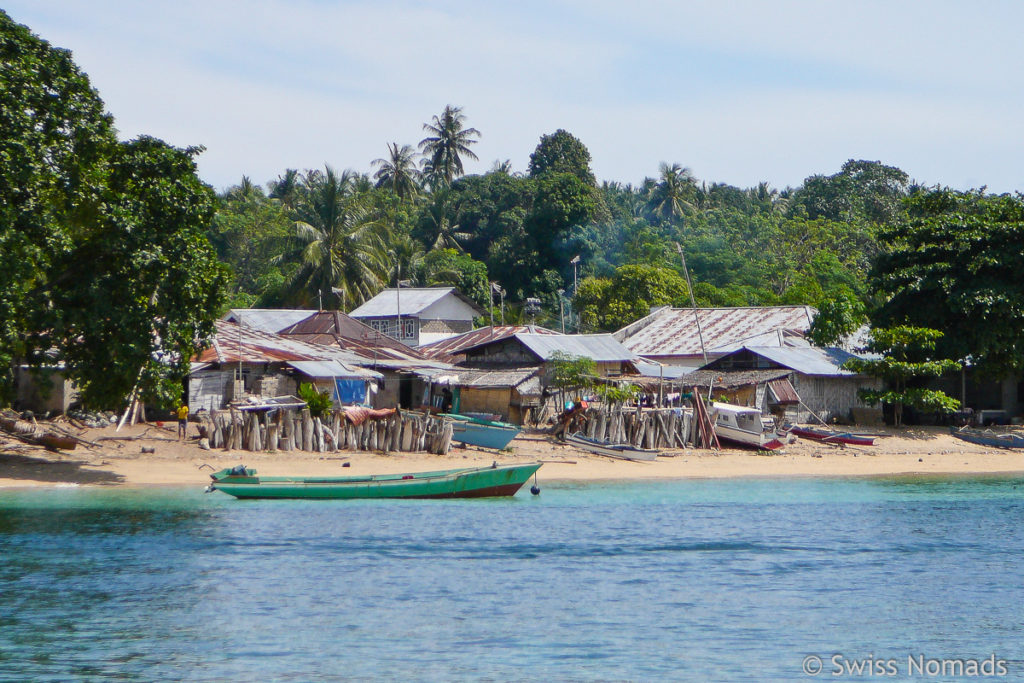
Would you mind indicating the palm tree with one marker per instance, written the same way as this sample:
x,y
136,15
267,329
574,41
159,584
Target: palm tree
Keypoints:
x,y
670,198
447,143
336,243
442,233
768,197
285,188
398,172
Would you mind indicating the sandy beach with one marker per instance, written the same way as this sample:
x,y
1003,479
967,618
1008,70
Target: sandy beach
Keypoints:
x,y
118,459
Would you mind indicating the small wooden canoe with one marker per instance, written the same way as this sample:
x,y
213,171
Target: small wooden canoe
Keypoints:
x,y
470,482
986,438
830,436
623,451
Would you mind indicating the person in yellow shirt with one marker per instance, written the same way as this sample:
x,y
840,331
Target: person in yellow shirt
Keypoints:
x,y
183,421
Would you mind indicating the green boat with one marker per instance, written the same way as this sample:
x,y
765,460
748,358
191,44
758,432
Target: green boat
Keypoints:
x,y
470,482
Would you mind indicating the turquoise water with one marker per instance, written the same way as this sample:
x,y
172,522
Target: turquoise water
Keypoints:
x,y
687,580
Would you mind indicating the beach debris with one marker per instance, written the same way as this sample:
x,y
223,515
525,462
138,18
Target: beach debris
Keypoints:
x,y
34,434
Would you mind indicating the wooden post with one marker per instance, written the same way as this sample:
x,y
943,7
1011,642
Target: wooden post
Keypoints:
x,y
307,430
255,443
273,431
318,435
446,438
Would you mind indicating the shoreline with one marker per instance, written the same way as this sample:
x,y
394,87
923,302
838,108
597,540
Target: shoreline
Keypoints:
x,y
907,452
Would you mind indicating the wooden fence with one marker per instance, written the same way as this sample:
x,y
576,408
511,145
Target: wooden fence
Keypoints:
x,y
296,430
644,428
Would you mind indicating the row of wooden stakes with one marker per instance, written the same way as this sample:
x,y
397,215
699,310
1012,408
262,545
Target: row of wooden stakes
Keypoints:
x,y
298,430
646,428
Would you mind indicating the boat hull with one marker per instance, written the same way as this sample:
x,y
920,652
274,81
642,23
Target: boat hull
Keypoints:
x,y
483,433
474,482
1010,441
621,451
765,441
832,437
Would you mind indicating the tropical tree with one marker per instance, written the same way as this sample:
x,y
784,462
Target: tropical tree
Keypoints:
x,y
451,267
448,141
569,372
137,292
337,243
247,232
398,171
54,140
561,152
285,189
612,303
671,196
907,361
437,223
954,264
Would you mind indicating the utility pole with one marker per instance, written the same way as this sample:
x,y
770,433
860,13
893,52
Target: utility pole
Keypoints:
x,y
561,308
693,301
575,262
398,298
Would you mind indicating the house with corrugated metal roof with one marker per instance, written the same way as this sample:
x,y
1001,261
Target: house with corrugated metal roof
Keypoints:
x,y
800,382
693,337
610,357
502,371
419,315
451,349
409,376
243,361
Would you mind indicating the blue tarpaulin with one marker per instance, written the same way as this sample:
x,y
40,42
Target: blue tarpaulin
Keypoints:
x,y
351,390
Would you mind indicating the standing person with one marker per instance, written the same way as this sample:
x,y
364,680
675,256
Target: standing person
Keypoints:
x,y
183,421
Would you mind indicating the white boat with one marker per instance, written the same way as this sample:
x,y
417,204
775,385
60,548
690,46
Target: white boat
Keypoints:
x,y
745,426
623,451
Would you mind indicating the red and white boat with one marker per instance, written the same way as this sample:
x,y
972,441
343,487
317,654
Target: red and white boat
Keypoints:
x,y
745,426
830,436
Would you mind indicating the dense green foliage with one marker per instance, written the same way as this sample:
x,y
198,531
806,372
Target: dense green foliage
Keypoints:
x,y
318,402
907,361
628,295
104,260
54,136
140,287
955,264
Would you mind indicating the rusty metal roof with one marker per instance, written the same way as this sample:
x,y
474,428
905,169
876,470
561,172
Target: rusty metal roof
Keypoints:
x,y
334,328
448,349
673,331
233,343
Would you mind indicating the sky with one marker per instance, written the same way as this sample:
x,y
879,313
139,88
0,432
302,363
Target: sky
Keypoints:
x,y
738,91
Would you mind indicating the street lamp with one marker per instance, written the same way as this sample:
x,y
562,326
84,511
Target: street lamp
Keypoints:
x,y
532,306
499,290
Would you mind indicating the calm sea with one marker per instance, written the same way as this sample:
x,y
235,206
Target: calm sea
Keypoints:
x,y
687,580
